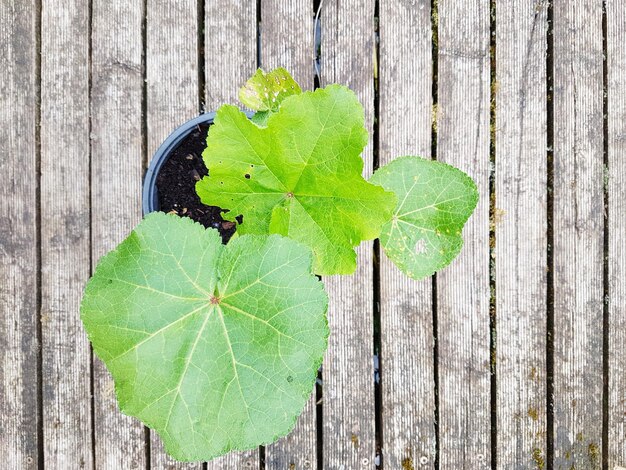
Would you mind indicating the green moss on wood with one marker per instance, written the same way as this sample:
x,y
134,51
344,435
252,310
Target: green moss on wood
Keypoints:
x,y
538,459
407,464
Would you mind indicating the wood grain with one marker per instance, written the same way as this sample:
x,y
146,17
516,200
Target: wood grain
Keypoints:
x,y
287,41
616,121
116,171
521,233
172,67
578,234
230,59
173,97
230,49
406,317
463,84
348,374
18,235
65,233
287,38
104,149
248,460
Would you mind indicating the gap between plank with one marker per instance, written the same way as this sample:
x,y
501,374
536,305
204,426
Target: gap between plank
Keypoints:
x,y
144,158
317,42
202,94
258,64
39,332
434,17
605,261
92,403
319,383
201,61
144,91
377,337
492,237
258,33
550,249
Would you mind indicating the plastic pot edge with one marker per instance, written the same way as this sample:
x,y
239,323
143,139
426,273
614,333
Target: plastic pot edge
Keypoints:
x,y
150,195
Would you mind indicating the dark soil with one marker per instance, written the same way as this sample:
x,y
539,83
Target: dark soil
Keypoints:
x,y
176,184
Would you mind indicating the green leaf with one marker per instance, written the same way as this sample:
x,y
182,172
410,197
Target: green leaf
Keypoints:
x,y
300,176
260,118
215,347
265,91
434,202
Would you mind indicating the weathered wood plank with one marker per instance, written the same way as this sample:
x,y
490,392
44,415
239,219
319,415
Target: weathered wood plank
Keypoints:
x,y
248,460
230,59
348,374
578,233
463,84
230,49
18,235
172,98
287,38
287,41
521,232
616,63
65,233
407,346
116,170
171,67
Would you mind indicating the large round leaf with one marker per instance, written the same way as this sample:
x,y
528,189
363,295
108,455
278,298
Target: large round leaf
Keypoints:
x,y
215,347
434,202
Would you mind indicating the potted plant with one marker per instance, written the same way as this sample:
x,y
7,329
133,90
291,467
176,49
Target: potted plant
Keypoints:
x,y
216,346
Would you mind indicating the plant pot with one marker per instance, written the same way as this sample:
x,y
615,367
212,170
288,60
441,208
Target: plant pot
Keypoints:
x,y
169,183
150,195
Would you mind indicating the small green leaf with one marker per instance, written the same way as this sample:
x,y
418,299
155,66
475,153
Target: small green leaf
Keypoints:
x,y
300,176
215,347
434,202
260,118
265,91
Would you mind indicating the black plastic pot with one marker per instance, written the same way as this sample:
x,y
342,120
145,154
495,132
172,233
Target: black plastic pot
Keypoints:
x,y
150,196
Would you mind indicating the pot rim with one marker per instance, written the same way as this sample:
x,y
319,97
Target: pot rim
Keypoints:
x,y
150,195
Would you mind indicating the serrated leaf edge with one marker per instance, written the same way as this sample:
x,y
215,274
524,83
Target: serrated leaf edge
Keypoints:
x,y
122,406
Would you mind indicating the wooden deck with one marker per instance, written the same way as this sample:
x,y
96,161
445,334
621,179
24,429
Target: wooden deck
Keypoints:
x,y
512,358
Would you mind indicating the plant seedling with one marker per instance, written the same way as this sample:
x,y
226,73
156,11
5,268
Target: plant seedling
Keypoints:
x,y
299,176
216,347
